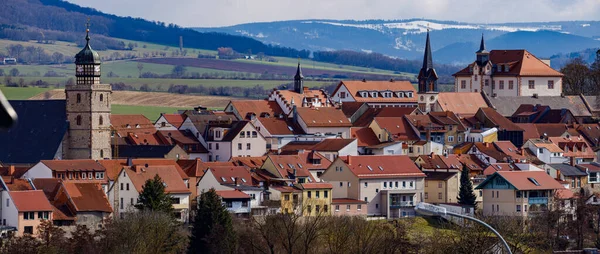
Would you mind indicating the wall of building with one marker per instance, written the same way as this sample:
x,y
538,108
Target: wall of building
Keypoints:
x,y
223,153
10,215
167,126
345,183
40,170
349,210
209,181
32,223
318,197
258,145
541,86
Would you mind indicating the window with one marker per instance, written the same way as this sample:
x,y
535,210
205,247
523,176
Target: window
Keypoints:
x,y
254,134
459,138
439,195
242,134
501,84
384,184
366,200
337,208
28,230
497,194
525,208
309,194
403,184
426,183
121,205
376,190
78,98
245,203
426,195
342,95
492,194
7,202
518,208
410,184
377,206
239,146
358,207
475,77
248,146
29,215
127,186
210,146
101,156
325,208
511,85
101,97
78,120
450,138
317,194
131,201
440,184
550,84
519,194
326,194
218,134
493,208
396,184
366,184
347,208
217,147
229,204
463,84
100,121
173,200
286,197
308,208
341,184
531,84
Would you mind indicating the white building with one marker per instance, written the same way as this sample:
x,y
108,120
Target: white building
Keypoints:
x,y
234,139
377,94
508,73
545,150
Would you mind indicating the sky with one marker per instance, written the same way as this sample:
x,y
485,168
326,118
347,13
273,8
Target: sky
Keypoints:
x,y
214,13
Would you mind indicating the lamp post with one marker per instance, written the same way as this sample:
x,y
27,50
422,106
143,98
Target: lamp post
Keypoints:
x,y
434,210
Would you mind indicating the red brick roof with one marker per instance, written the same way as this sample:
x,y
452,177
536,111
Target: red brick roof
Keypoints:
x,y
228,175
382,166
573,146
174,119
257,107
285,164
250,162
399,128
592,167
332,144
354,87
472,162
30,201
168,173
232,194
461,103
365,136
131,123
48,185
87,197
490,150
73,165
521,180
323,117
521,63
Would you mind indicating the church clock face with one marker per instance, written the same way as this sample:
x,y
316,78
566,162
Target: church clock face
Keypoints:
x,y
97,68
79,68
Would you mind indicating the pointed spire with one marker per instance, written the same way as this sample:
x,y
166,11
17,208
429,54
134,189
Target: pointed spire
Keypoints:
x,y
87,31
482,46
298,72
427,58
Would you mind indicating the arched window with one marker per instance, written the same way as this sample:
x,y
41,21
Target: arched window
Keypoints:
x,y
78,120
78,98
101,151
101,121
101,97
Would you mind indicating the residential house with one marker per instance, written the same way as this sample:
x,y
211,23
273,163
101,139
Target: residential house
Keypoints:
x,y
302,95
574,148
305,167
86,202
593,171
195,169
332,148
227,139
79,170
323,120
507,130
528,113
25,210
184,139
316,198
169,122
441,187
228,178
349,207
236,202
513,153
376,93
368,143
130,182
391,184
517,193
487,153
545,150
576,104
394,130
572,175
508,73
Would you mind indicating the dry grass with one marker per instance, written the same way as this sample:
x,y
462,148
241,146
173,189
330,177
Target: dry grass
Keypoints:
x,y
151,99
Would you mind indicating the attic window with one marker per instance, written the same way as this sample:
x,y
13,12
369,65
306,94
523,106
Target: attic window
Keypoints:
x,y
281,166
243,180
510,149
369,167
165,184
223,179
506,68
137,126
409,94
374,94
290,165
299,165
380,168
232,179
400,94
533,181
437,166
128,126
364,94
290,128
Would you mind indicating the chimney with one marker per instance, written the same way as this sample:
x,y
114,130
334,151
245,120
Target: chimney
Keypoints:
x,y
11,170
487,144
129,161
522,151
428,135
572,160
364,80
236,181
305,89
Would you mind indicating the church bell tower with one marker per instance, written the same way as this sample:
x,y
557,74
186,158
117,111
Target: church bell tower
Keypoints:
x,y
88,109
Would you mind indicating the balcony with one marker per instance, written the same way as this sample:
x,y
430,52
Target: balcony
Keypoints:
x,y
401,204
538,201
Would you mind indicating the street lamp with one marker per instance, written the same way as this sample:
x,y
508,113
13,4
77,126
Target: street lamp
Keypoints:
x,y
434,210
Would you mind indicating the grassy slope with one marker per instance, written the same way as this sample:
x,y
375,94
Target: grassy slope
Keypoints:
x,y
21,93
150,112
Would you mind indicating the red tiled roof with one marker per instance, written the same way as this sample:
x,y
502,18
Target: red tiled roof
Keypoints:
x,y
490,150
16,184
72,165
257,107
282,164
354,87
521,63
174,119
565,194
142,138
229,174
573,146
461,103
323,117
30,201
250,162
365,136
350,107
472,162
509,149
491,169
592,167
399,128
295,146
500,121
520,180
48,185
382,166
168,173
87,197
232,194
332,144
279,126
591,132
551,129
347,201
285,189
131,123
196,168
16,171
367,117
530,131
288,95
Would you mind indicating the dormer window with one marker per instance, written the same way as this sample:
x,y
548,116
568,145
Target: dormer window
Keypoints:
x,y
374,94
364,94
400,94
506,68
409,94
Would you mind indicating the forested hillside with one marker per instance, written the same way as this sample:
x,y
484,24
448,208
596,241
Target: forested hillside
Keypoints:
x,y
48,20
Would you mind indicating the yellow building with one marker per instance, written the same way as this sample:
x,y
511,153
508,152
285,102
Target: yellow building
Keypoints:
x,y
316,198
441,187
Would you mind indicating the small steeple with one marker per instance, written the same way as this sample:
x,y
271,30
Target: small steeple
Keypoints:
x,y
482,46
299,80
427,76
427,58
87,55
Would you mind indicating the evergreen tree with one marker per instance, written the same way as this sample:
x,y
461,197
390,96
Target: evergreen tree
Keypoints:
x,y
154,198
465,193
212,230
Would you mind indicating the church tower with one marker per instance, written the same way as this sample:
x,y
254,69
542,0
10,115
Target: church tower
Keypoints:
x,y
88,109
482,55
427,76
299,80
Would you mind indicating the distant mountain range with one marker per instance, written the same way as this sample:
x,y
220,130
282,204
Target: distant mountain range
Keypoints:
x,y
452,42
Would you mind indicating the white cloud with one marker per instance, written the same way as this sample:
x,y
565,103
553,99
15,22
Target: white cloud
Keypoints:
x,y
206,13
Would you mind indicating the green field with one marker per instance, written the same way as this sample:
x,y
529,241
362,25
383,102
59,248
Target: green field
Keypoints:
x,y
21,93
150,112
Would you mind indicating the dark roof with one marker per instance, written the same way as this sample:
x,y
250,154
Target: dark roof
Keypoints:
x,y
349,108
38,133
234,129
332,144
144,151
568,170
500,121
507,105
439,176
295,146
87,55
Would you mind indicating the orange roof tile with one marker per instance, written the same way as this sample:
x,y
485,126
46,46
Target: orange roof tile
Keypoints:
x,y
174,119
500,121
354,87
288,95
131,123
461,103
113,167
323,117
230,174
493,168
509,149
382,166
521,63
279,126
530,131
332,144
347,201
48,185
73,165
399,128
521,180
542,143
257,107
30,201
573,146
365,136
367,117
232,194
168,173
16,184
250,162
87,197
316,186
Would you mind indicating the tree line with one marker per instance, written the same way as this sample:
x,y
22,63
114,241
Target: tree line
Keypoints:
x,y
581,78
